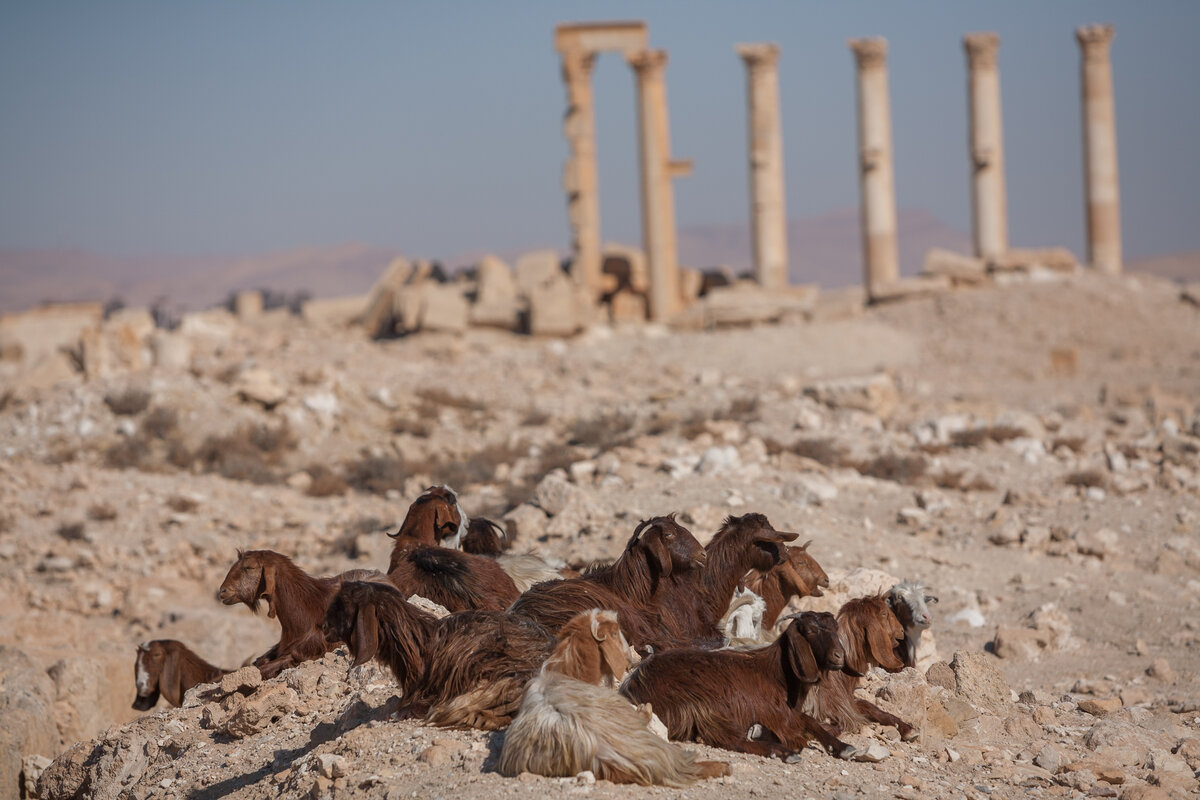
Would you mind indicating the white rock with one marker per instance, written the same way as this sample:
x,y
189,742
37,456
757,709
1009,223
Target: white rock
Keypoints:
x,y
874,753
970,615
719,460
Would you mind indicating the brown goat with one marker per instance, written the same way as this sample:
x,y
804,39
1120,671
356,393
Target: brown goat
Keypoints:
x,y
799,575
722,697
870,633
293,596
168,667
569,722
694,607
484,538
660,552
464,670
435,517
457,580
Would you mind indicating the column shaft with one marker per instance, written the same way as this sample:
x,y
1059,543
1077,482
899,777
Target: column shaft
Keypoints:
x,y
1102,186
658,195
989,201
878,204
768,202
579,173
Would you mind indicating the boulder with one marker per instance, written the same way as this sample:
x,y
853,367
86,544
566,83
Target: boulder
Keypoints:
x,y
376,315
552,308
496,301
248,304
27,711
257,385
746,303
875,394
333,312
261,710
444,309
82,703
171,351
535,269
978,681
40,332
215,324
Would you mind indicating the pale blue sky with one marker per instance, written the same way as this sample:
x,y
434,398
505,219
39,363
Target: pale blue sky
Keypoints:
x,y
435,127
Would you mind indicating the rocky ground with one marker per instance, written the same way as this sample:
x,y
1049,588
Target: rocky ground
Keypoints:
x,y
1031,452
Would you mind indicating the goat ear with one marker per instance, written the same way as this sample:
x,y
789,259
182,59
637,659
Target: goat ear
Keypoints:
x,y
882,647
599,637
170,678
801,661
268,584
660,553
364,640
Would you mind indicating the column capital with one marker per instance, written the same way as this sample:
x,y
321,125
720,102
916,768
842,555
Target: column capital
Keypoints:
x,y
1095,41
981,49
764,54
869,52
647,61
577,64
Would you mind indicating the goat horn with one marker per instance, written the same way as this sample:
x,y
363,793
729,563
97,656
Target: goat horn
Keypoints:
x,y
395,535
806,544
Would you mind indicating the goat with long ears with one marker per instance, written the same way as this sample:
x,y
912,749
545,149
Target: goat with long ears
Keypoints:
x,y
798,575
749,701
168,668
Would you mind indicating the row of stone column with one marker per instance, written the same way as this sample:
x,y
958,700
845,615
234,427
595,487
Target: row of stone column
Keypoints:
x,y
988,195
579,45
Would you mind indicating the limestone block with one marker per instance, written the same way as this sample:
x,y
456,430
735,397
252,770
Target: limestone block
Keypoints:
x,y
248,304
875,394
171,350
445,309
747,303
552,310
1055,259
955,266
496,301
376,316
40,332
536,269
333,311
627,306
905,288
260,386
216,324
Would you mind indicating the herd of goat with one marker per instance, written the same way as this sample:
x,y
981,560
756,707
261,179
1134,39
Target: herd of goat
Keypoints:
x,y
581,667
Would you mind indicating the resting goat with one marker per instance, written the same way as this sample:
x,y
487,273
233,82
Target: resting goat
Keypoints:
x,y
464,670
910,604
454,579
436,517
169,668
298,600
571,720
871,634
799,575
694,606
721,697
660,553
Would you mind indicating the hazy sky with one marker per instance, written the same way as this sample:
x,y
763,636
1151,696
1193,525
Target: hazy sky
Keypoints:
x,y
238,127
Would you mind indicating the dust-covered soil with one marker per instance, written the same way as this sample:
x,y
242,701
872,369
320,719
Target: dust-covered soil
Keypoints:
x,y
1031,453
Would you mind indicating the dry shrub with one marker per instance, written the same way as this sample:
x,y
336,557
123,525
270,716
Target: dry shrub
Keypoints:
x,y
824,451
62,451
412,426
535,417
1073,443
101,512
963,480
1088,478
71,531
178,455
603,432
377,474
325,482
6,523
160,423
128,402
742,409
480,466
247,454
181,505
441,398
894,467
974,437
129,452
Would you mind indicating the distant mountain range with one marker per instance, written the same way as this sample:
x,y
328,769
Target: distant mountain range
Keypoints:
x,y
825,250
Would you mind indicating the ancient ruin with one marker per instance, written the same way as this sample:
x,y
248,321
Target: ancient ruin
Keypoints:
x,y
1100,149
768,200
881,259
989,217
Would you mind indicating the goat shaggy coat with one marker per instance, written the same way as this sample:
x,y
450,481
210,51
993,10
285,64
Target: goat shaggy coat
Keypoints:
x,y
571,720
453,579
464,670
871,634
719,697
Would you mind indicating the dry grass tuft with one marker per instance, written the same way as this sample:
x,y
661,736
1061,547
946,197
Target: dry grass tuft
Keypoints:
x,y
128,402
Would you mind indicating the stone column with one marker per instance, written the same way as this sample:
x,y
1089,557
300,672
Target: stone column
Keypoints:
x,y
1100,150
989,203
768,203
658,194
878,204
579,173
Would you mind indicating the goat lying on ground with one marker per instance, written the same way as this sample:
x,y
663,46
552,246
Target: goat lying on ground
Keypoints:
x,y
436,517
293,596
910,604
871,634
170,668
569,722
457,580
693,607
465,670
660,552
719,697
799,575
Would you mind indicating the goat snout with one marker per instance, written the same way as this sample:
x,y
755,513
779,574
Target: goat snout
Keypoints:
x,y
226,596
